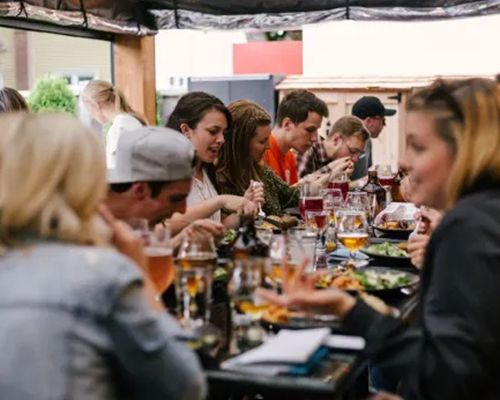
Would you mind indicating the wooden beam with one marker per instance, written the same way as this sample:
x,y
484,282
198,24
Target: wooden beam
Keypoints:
x,y
135,73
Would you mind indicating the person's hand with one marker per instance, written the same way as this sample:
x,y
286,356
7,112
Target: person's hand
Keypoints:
x,y
128,243
417,245
299,292
255,192
124,239
342,165
238,204
316,181
215,229
199,230
248,208
430,219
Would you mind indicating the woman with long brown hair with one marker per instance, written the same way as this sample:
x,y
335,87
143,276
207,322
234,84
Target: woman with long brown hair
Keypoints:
x,y
240,159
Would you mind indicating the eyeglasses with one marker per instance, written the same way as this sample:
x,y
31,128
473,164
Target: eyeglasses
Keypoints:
x,y
354,151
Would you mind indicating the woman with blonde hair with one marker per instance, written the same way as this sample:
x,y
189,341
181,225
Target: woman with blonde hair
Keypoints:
x,y
105,104
453,158
76,320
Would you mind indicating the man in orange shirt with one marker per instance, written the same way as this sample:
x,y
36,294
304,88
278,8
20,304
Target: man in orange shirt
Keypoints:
x,y
298,120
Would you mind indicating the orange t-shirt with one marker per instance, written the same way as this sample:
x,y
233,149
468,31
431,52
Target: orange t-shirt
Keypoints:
x,y
283,165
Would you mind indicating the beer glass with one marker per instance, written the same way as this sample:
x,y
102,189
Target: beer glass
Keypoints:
x,y
352,231
196,262
158,251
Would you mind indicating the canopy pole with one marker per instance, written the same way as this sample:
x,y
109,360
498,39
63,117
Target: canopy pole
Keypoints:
x,y
135,73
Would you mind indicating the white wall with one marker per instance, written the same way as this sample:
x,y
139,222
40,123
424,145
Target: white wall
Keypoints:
x,y
382,48
183,53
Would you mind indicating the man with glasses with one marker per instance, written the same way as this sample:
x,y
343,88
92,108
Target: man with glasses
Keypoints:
x,y
345,143
372,112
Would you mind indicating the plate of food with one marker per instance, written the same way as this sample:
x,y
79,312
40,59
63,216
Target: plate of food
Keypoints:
x,y
274,222
277,317
401,228
371,279
388,250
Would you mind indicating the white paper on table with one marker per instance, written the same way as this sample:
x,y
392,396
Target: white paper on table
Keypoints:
x,y
345,342
287,347
408,211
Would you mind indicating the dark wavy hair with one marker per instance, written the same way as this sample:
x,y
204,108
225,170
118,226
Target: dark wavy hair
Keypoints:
x,y
235,163
192,107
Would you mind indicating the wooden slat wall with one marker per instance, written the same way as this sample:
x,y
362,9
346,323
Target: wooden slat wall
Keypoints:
x,y
135,73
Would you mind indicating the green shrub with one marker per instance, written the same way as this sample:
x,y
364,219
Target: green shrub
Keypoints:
x,y
52,94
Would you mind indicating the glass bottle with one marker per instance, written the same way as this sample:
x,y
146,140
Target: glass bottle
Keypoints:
x,y
396,186
376,194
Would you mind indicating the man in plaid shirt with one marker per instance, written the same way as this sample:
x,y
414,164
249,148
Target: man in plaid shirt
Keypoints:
x,y
347,138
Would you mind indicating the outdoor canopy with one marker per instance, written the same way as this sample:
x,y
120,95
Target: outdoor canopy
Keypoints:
x,y
146,17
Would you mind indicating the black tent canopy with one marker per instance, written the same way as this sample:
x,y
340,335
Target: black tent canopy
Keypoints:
x,y
146,17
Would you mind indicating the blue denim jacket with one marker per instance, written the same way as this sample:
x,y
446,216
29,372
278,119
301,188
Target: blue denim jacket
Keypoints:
x,y
74,324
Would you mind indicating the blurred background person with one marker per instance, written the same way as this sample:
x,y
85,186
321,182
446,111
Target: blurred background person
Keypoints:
x,y
11,100
372,112
63,286
107,104
204,119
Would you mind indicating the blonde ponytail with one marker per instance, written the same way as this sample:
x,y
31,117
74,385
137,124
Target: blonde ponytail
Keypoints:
x,y
103,92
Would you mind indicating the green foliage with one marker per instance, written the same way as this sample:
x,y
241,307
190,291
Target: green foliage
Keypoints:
x,y
159,110
52,94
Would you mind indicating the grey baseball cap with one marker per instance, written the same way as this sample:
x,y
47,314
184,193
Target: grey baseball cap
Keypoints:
x,y
152,154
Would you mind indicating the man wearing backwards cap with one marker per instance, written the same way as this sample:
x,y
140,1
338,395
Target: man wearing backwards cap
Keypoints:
x,y
372,112
152,179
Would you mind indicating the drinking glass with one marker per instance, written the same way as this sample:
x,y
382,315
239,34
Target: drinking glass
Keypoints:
x,y
332,199
310,199
158,251
352,231
247,276
196,262
317,222
293,247
385,176
341,182
358,201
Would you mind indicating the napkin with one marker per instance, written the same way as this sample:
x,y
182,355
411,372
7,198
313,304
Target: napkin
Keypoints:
x,y
397,212
278,354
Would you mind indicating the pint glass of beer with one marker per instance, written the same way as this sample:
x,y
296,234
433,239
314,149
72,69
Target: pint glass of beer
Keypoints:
x,y
158,251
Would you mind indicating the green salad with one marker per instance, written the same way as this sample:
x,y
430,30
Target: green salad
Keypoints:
x,y
373,280
230,236
220,274
386,249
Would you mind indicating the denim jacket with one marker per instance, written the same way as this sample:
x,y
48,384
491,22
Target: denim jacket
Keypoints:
x,y
76,325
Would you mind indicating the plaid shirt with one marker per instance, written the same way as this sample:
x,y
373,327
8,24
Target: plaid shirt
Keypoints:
x,y
313,160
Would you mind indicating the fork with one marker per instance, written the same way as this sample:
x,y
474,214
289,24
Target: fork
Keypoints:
x,y
261,213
